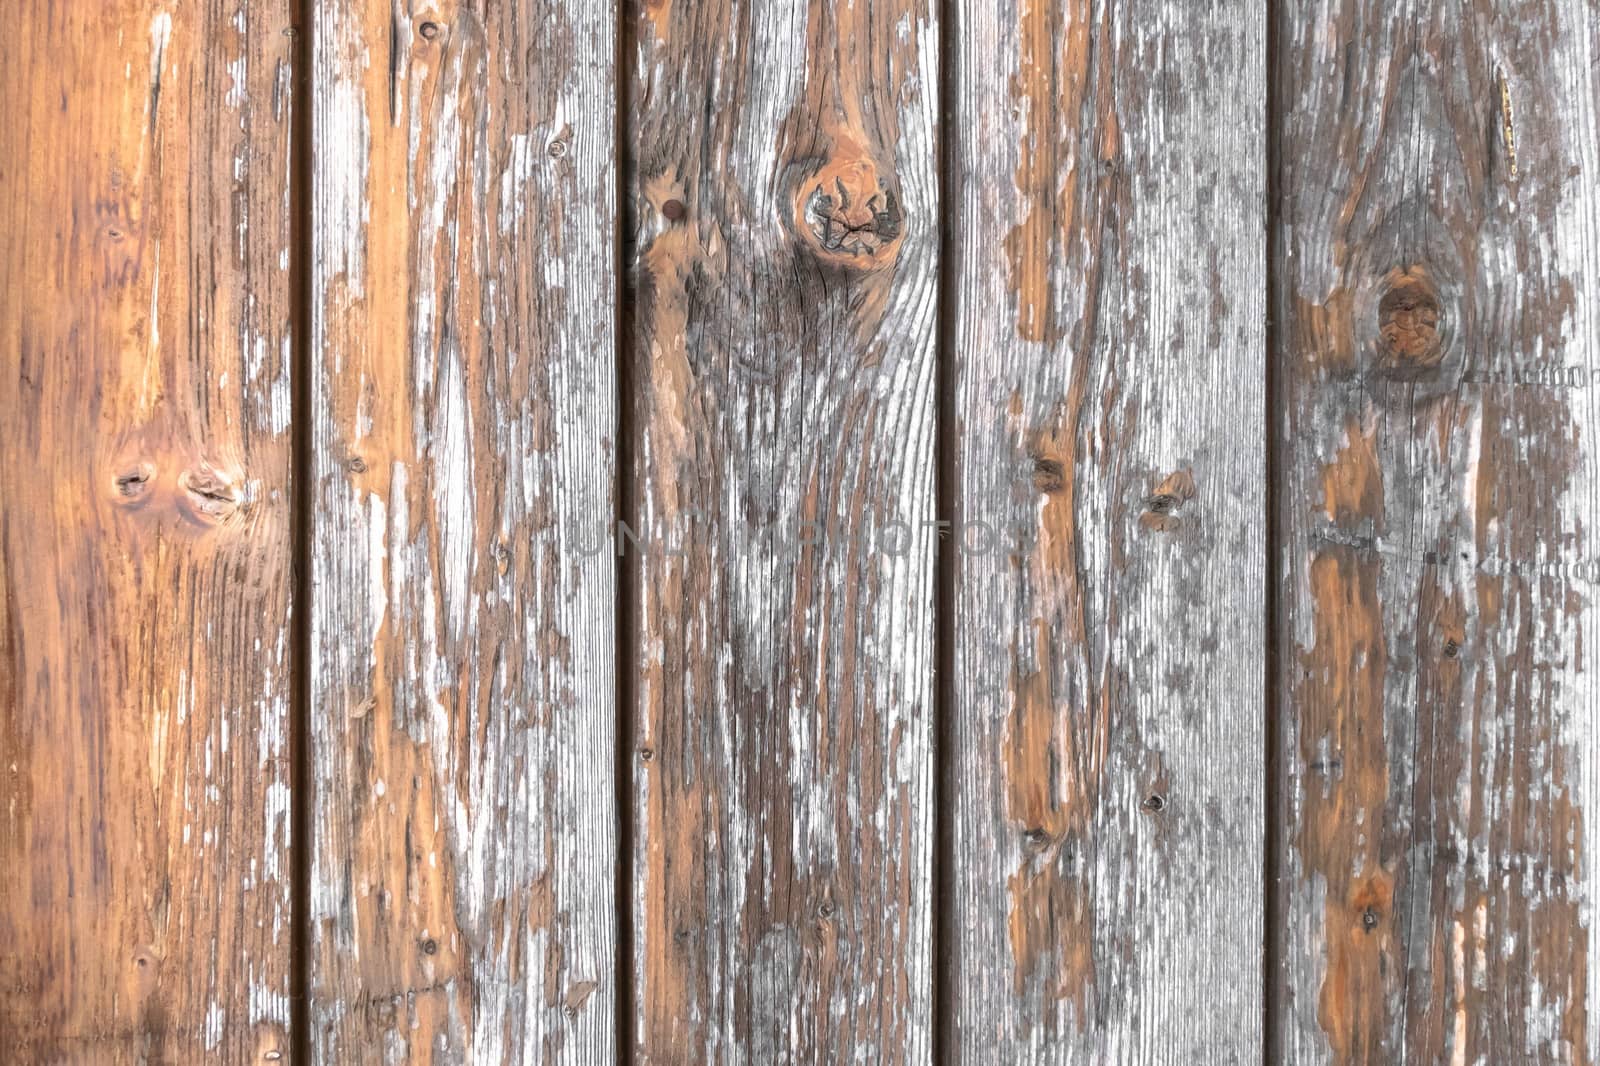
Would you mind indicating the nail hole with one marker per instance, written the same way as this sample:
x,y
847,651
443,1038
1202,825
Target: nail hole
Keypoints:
x,y
430,946
358,465
428,30
825,910
1036,838
647,754
556,149
1155,803
1451,649
1369,919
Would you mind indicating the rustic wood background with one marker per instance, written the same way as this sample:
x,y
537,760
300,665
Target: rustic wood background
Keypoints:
x,y
799,531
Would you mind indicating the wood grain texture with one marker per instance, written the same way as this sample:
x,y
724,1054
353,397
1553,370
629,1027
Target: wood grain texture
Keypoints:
x,y
782,355
144,533
1436,273
1106,689
463,687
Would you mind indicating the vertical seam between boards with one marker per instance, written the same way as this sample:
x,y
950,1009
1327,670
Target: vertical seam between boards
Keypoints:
x,y
301,232
625,492
1273,808
944,956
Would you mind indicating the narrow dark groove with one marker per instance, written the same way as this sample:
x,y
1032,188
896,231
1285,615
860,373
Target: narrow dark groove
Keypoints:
x,y
943,947
300,495
1273,805
626,491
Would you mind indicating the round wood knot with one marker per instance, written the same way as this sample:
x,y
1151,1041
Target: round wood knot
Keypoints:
x,y
131,486
1049,476
1036,838
271,1043
207,497
1408,321
851,214
1161,508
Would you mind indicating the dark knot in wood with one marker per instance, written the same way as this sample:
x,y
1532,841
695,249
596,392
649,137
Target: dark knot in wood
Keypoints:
x,y
206,499
1049,476
852,214
1408,322
1161,507
132,484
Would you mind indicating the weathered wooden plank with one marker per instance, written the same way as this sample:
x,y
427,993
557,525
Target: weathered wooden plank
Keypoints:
x,y
782,365
1106,689
1436,269
144,533
462,646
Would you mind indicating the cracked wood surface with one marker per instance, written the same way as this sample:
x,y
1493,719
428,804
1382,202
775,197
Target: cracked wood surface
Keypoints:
x,y
1436,271
784,268
462,420
1106,712
145,533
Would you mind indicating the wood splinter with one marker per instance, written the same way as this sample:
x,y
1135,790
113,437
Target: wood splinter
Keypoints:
x,y
1507,125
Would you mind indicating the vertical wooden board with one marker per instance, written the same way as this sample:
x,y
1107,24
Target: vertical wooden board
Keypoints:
x,y
463,708
1435,272
1107,683
145,533
782,365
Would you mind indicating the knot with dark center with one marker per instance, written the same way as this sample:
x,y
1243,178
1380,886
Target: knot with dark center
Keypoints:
x,y
1408,321
853,214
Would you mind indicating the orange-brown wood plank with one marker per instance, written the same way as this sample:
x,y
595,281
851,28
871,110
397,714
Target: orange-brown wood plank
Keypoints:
x,y
1436,275
462,710
145,532
784,234
1107,729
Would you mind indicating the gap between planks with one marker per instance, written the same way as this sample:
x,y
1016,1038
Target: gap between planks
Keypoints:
x,y
301,161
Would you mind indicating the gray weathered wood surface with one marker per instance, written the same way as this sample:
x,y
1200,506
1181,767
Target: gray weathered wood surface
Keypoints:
x,y
463,433
785,222
1107,756
1242,714
1437,263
